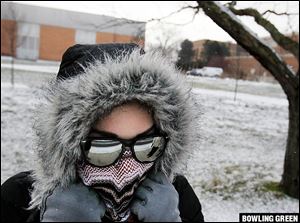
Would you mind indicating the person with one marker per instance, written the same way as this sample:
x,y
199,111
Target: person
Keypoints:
x,y
110,128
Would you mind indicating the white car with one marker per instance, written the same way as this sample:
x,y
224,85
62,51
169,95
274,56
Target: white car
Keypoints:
x,y
206,72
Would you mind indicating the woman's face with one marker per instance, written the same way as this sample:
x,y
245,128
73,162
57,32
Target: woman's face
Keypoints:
x,y
126,121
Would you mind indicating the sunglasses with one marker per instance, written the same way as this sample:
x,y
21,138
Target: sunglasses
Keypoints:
x,y
103,149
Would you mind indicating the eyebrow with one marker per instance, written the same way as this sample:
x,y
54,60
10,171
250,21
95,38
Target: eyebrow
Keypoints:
x,y
110,134
103,133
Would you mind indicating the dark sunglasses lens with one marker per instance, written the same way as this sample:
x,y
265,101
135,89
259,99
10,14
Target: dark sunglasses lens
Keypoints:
x,y
103,152
149,149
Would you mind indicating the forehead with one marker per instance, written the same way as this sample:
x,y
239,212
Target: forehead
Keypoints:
x,y
126,121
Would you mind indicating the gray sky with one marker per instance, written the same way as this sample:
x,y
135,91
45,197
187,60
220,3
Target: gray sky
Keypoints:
x,y
201,27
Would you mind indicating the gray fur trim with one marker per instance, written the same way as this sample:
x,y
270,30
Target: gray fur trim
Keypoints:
x,y
70,107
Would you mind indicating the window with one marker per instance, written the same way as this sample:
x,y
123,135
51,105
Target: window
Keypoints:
x,y
28,41
85,37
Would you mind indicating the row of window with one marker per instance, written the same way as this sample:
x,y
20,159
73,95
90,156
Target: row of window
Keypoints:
x,y
28,36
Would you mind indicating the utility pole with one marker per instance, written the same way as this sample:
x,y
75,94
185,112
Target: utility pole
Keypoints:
x,y
237,52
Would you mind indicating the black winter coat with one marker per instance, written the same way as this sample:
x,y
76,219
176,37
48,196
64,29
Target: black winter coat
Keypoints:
x,y
15,197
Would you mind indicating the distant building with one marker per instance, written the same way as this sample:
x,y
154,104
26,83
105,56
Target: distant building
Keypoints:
x,y
33,32
242,65
249,68
198,49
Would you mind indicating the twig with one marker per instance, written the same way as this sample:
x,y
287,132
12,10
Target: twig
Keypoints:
x,y
279,13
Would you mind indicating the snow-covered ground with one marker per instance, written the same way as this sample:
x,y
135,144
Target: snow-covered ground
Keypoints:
x,y
28,67
241,148
228,84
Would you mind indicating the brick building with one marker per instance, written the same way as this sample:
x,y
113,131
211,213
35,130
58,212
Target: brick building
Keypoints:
x,y
198,48
241,64
232,47
33,32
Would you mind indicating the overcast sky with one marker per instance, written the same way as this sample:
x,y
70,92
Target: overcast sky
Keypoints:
x,y
201,27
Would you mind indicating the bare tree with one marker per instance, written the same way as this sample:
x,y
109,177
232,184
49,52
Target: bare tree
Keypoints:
x,y
225,17
166,41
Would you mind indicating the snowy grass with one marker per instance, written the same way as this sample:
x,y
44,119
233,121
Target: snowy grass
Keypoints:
x,y
228,84
240,154
235,166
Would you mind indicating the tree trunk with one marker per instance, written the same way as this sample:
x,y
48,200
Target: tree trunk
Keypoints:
x,y
290,177
279,69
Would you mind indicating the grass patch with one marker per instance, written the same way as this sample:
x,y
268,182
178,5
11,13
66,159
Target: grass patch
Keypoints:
x,y
242,181
273,187
224,188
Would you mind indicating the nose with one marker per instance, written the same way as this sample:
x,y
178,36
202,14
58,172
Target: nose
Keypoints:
x,y
126,152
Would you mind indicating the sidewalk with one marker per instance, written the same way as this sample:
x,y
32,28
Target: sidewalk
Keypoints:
x,y
7,60
31,67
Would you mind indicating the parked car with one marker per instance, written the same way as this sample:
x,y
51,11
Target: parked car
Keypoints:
x,y
206,72
194,72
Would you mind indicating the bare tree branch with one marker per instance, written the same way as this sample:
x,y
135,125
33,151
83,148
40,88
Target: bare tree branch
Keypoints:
x,y
278,13
282,40
175,12
123,21
289,81
109,24
252,44
172,13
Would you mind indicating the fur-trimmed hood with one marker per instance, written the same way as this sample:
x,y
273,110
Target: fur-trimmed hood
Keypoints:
x,y
70,107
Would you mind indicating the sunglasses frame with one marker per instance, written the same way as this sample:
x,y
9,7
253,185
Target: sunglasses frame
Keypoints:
x,y
127,144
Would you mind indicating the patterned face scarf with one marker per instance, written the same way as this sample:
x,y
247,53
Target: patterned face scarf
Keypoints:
x,y
116,183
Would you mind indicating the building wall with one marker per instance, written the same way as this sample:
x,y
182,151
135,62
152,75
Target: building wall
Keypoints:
x,y
124,38
47,33
241,64
243,67
247,67
103,37
70,19
291,60
54,41
28,41
234,49
8,37
84,36
198,48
